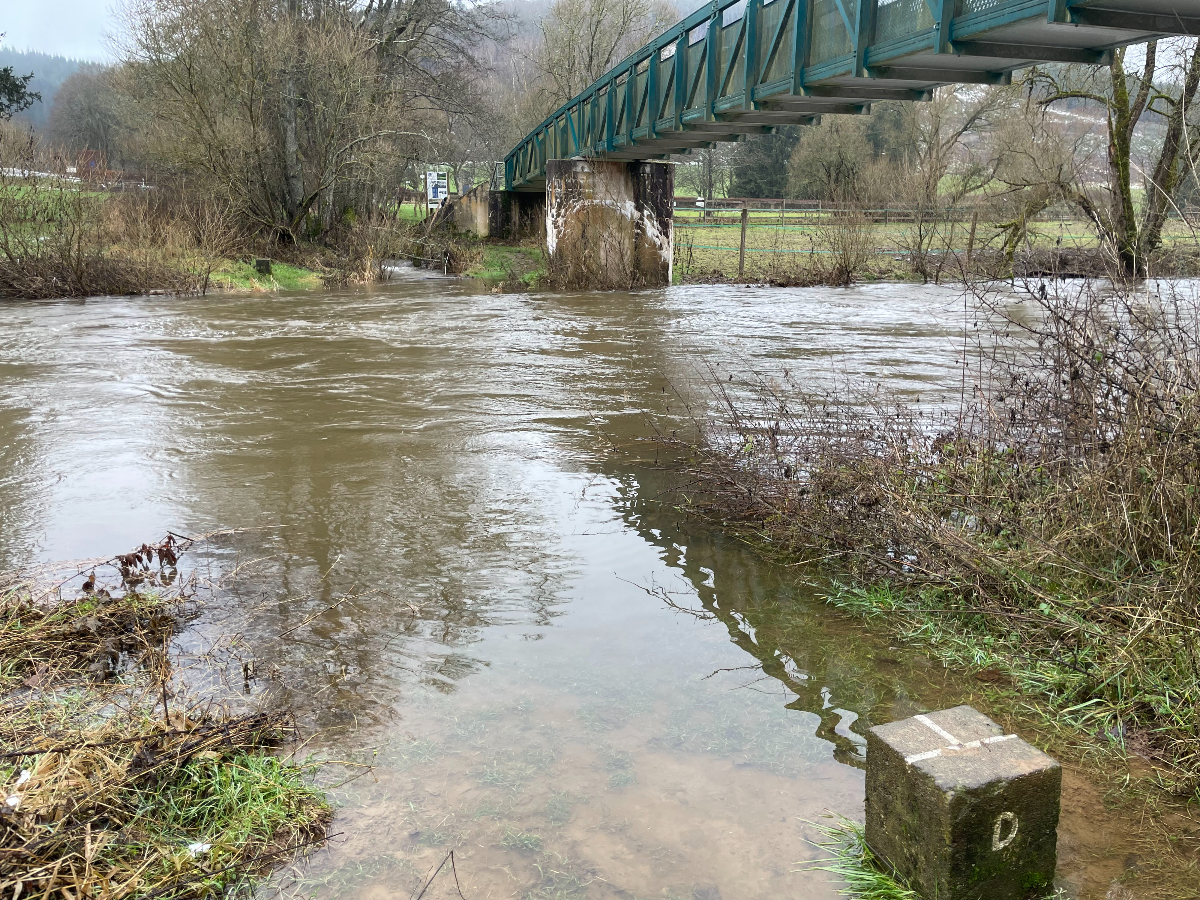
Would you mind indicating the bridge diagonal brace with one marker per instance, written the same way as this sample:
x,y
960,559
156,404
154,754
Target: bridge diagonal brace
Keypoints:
x,y
776,39
841,7
732,61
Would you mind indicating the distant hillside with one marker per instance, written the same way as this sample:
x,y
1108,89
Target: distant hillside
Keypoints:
x,y
49,72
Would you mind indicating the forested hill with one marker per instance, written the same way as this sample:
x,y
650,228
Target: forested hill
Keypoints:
x,y
49,72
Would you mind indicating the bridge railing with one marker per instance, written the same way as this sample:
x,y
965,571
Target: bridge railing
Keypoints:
x,y
707,78
699,69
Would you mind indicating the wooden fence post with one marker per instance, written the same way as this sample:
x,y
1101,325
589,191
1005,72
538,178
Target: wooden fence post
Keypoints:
x,y
742,251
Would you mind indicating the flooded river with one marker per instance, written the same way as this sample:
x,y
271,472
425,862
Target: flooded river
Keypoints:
x,y
461,573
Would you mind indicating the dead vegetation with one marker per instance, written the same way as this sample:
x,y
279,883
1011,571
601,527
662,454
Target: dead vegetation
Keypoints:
x,y
115,782
1044,523
66,232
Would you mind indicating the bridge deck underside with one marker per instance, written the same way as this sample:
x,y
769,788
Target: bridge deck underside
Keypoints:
x,y
801,59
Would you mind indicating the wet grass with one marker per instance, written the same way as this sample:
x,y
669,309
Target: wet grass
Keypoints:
x,y
236,275
505,263
560,878
559,809
850,860
521,841
723,727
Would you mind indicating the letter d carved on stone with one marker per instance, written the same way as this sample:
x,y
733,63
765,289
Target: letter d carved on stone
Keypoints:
x,y
1005,831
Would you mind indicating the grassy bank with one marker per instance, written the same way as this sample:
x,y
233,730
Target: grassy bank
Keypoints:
x,y
510,266
235,275
118,783
63,236
1043,529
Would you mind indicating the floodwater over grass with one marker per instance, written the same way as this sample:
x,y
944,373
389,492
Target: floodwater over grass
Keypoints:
x,y
463,578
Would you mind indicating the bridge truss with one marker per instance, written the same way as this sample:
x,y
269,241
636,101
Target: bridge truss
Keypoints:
x,y
739,67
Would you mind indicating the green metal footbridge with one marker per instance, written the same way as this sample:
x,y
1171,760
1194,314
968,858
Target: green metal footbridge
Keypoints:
x,y
738,67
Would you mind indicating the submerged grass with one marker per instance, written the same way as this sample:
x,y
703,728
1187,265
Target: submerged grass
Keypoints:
x,y
116,783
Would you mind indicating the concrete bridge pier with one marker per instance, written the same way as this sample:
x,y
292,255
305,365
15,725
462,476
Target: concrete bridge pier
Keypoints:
x,y
609,222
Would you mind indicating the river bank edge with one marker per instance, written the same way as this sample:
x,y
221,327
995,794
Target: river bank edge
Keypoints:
x,y
1006,690
118,780
1035,538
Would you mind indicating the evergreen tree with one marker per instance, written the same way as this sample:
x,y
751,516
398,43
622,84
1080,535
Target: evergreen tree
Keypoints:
x,y
760,164
15,95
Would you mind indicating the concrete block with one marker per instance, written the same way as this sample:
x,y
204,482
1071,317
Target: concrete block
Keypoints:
x,y
609,223
960,809
471,211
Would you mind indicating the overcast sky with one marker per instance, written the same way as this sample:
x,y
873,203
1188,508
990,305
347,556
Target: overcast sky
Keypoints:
x,y
78,28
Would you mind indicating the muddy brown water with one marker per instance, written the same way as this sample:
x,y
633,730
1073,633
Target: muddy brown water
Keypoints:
x,y
463,576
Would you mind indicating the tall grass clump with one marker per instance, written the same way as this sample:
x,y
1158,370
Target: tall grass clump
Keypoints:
x,y
1045,521
850,859
115,782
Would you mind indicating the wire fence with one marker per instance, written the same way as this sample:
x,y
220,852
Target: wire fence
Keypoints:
x,y
765,241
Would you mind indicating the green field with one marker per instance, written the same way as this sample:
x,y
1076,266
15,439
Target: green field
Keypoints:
x,y
712,245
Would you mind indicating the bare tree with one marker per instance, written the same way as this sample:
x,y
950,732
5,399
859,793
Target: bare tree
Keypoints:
x,y
1163,89
705,172
294,110
583,39
946,163
87,113
1038,161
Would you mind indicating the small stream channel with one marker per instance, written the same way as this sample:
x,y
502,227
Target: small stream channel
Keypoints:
x,y
547,670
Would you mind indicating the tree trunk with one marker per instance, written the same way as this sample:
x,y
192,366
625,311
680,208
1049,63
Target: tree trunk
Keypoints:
x,y
293,173
1161,190
1124,231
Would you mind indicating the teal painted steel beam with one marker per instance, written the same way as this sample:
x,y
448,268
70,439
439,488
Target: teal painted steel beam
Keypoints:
x,y
862,35
943,14
681,85
630,111
750,51
652,95
801,38
711,41
610,124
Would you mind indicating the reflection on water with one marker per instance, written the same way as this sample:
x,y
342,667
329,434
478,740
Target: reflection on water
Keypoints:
x,y
461,575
